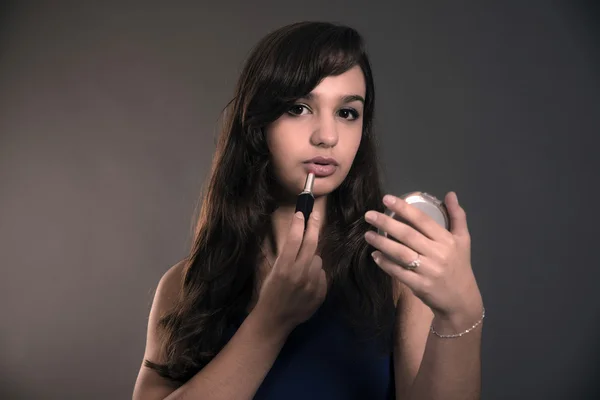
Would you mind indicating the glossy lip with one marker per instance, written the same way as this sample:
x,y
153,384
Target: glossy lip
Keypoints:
x,y
323,160
321,171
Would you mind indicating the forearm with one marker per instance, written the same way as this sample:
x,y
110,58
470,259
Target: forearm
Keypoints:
x,y
240,367
451,367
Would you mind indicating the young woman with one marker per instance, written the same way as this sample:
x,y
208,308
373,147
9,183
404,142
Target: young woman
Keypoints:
x,y
264,308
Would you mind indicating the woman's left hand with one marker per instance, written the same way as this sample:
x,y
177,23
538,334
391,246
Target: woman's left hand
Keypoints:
x,y
444,280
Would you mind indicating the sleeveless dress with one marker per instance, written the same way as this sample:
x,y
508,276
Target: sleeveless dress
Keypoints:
x,y
324,359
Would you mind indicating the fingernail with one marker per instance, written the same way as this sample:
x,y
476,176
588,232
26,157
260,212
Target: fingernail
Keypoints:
x,y
389,199
371,216
315,216
299,215
375,256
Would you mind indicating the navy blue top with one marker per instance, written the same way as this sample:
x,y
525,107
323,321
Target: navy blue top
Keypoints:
x,y
324,359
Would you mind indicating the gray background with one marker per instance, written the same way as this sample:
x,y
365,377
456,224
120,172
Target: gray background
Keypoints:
x,y
108,114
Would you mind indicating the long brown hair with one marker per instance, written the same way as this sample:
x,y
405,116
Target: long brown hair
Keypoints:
x,y
239,198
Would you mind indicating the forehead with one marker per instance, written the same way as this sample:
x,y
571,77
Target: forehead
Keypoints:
x,y
351,82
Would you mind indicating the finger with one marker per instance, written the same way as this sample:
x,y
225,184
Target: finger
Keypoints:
x,y
396,252
322,285
314,270
293,241
409,277
310,240
400,231
415,217
458,216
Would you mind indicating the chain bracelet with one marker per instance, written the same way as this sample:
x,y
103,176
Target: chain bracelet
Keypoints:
x,y
455,335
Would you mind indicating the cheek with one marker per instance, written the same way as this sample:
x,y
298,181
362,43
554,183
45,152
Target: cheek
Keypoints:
x,y
282,150
274,142
284,139
352,145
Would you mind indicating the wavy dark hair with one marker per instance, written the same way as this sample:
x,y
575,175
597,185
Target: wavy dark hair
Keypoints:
x,y
239,196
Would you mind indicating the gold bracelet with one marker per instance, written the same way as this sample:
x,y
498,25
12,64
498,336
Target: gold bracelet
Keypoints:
x,y
458,334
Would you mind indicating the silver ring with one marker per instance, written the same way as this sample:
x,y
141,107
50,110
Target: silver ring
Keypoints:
x,y
414,263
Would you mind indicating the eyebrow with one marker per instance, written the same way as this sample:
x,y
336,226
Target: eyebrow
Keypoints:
x,y
345,99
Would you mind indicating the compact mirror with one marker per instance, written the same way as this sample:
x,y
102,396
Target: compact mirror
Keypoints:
x,y
425,202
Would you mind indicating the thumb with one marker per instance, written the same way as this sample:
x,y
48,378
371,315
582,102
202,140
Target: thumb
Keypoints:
x,y
458,216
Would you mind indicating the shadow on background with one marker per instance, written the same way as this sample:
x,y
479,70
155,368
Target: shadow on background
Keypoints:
x,y
588,14
10,387
589,388
7,9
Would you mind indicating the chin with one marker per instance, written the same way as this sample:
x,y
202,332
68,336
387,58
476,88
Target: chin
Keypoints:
x,y
325,186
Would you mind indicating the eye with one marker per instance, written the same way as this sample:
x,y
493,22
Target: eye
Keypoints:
x,y
297,109
348,113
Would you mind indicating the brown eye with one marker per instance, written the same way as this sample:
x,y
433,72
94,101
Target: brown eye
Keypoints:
x,y
348,113
297,109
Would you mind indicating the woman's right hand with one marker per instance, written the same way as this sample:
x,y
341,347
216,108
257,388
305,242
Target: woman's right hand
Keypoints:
x,y
296,285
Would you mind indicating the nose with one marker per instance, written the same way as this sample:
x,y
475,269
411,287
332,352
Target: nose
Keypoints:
x,y
325,132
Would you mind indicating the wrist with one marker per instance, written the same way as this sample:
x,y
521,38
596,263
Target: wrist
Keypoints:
x,y
265,326
456,322
460,318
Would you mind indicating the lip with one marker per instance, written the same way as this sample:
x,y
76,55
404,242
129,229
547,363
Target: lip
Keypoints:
x,y
323,160
321,171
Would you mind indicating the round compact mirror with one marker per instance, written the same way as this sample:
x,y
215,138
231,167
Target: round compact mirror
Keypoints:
x,y
425,202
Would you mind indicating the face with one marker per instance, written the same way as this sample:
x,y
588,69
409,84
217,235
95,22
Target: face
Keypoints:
x,y
327,123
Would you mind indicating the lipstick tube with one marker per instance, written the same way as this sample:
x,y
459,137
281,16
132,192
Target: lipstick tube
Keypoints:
x,y
306,199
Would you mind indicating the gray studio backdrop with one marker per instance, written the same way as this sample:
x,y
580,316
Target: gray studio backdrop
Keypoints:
x,y
108,114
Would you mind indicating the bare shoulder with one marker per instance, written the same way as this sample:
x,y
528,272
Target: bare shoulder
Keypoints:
x,y
169,286
150,385
167,292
